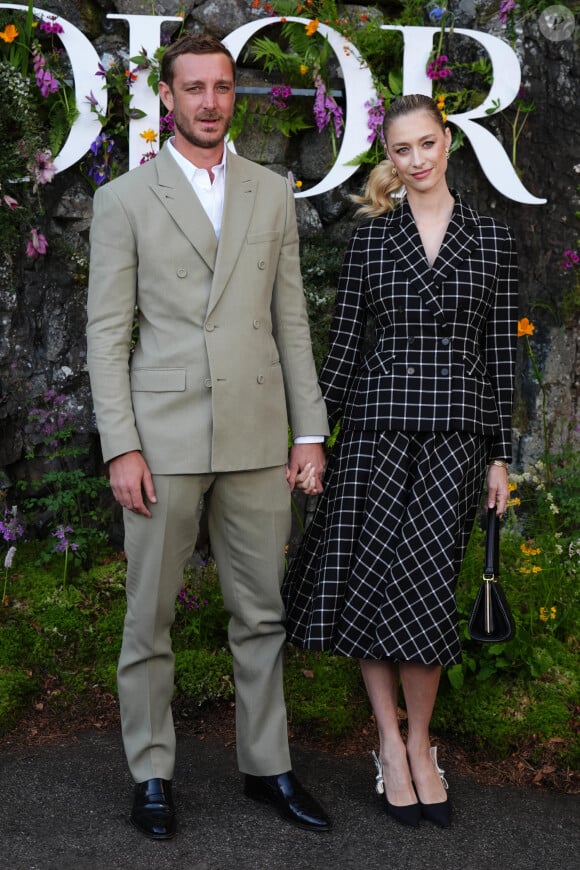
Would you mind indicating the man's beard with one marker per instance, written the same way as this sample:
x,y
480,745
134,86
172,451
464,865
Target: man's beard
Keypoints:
x,y
198,142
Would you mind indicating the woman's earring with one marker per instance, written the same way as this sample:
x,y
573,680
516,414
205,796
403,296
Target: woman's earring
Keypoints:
x,y
447,153
393,171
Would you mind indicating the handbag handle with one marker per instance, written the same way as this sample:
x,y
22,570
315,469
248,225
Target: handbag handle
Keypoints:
x,y
491,566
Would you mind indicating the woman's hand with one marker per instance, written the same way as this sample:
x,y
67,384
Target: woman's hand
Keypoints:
x,y
497,488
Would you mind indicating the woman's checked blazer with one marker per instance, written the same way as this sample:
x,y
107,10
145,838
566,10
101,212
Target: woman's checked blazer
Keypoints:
x,y
443,357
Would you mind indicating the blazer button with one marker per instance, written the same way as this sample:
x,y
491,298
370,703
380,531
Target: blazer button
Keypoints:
x,y
257,324
444,342
261,264
181,272
207,383
411,370
210,326
260,379
444,372
411,339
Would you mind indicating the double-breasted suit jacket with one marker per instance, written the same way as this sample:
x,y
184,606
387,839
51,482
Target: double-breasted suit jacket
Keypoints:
x,y
444,351
223,356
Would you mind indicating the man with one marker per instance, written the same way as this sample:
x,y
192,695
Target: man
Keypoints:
x,y
203,245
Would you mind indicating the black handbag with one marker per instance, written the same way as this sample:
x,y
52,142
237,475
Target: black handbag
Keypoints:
x,y
491,620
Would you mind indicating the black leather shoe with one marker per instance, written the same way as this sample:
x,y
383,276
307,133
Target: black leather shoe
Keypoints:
x,y
289,798
153,811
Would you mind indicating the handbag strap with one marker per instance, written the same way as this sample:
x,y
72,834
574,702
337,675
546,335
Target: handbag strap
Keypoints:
x,y
491,567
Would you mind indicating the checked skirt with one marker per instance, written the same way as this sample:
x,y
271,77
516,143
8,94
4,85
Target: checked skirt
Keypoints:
x,y
376,572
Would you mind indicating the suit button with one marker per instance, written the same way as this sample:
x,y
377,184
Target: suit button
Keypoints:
x,y
210,326
411,339
181,272
207,383
444,342
257,324
445,372
411,370
261,264
260,379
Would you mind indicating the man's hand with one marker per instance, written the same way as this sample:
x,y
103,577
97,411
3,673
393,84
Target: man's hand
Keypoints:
x,y
306,468
497,488
132,483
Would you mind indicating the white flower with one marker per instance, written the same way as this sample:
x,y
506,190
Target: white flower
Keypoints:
x,y
9,557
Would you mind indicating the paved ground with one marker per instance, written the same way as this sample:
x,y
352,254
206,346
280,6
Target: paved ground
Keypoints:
x,y
66,806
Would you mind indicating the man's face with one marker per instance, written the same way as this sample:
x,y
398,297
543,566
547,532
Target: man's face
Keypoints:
x,y
201,98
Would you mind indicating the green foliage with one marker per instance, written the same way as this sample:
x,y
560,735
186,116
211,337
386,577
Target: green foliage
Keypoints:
x,y
321,262
324,694
203,676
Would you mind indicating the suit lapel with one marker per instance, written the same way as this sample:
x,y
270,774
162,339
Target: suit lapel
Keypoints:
x,y
240,196
405,243
178,197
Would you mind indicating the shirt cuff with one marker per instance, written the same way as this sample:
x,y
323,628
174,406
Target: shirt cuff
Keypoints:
x,y
309,439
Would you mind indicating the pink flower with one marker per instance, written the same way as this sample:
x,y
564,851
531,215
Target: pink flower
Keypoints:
x,y
437,69
44,169
10,202
37,245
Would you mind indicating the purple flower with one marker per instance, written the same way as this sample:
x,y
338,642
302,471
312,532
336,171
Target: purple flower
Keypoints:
x,y
279,94
51,27
437,68
376,116
325,108
63,544
570,260
505,7
37,245
10,528
43,169
435,12
166,123
101,169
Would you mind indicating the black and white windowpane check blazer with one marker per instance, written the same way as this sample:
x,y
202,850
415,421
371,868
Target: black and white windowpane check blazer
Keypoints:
x,y
443,357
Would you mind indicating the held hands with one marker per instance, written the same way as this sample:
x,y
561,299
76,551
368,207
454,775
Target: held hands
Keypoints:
x,y
497,488
305,468
132,483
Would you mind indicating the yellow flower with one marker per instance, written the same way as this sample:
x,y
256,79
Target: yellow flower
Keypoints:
x,y
524,570
530,551
149,135
512,487
312,27
536,569
9,33
544,614
303,69
514,502
525,327
298,184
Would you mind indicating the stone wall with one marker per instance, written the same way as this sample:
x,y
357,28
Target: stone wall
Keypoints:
x,y
42,323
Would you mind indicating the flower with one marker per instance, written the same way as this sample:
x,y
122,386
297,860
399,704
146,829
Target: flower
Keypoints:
x,y
437,68
279,94
149,135
303,69
325,108
312,27
525,327
43,169
570,260
527,550
51,27
10,201
10,528
9,557
9,33
505,7
376,116
36,245
63,544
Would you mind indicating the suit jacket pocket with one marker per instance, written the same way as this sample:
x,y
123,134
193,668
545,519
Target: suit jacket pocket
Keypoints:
x,y
256,238
157,380
474,365
378,363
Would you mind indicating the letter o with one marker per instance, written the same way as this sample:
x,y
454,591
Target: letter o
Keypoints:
x,y
358,82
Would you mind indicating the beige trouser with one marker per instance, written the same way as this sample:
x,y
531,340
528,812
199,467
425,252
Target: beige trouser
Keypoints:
x,y
249,526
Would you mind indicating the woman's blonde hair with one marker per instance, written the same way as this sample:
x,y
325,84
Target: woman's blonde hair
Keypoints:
x,y
383,181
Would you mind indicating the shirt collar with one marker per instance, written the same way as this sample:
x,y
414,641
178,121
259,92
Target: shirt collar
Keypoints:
x,y
190,169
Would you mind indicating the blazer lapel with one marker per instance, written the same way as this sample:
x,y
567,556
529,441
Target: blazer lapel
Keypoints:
x,y
178,197
405,243
240,196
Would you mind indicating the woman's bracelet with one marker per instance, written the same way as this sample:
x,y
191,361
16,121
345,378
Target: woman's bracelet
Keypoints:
x,y
501,462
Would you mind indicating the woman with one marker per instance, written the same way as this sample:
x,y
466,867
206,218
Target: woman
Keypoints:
x,y
424,412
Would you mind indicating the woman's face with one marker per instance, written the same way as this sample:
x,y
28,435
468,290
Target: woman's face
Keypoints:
x,y
416,145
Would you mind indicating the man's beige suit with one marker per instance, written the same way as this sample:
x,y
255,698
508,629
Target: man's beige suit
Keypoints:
x,y
222,363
